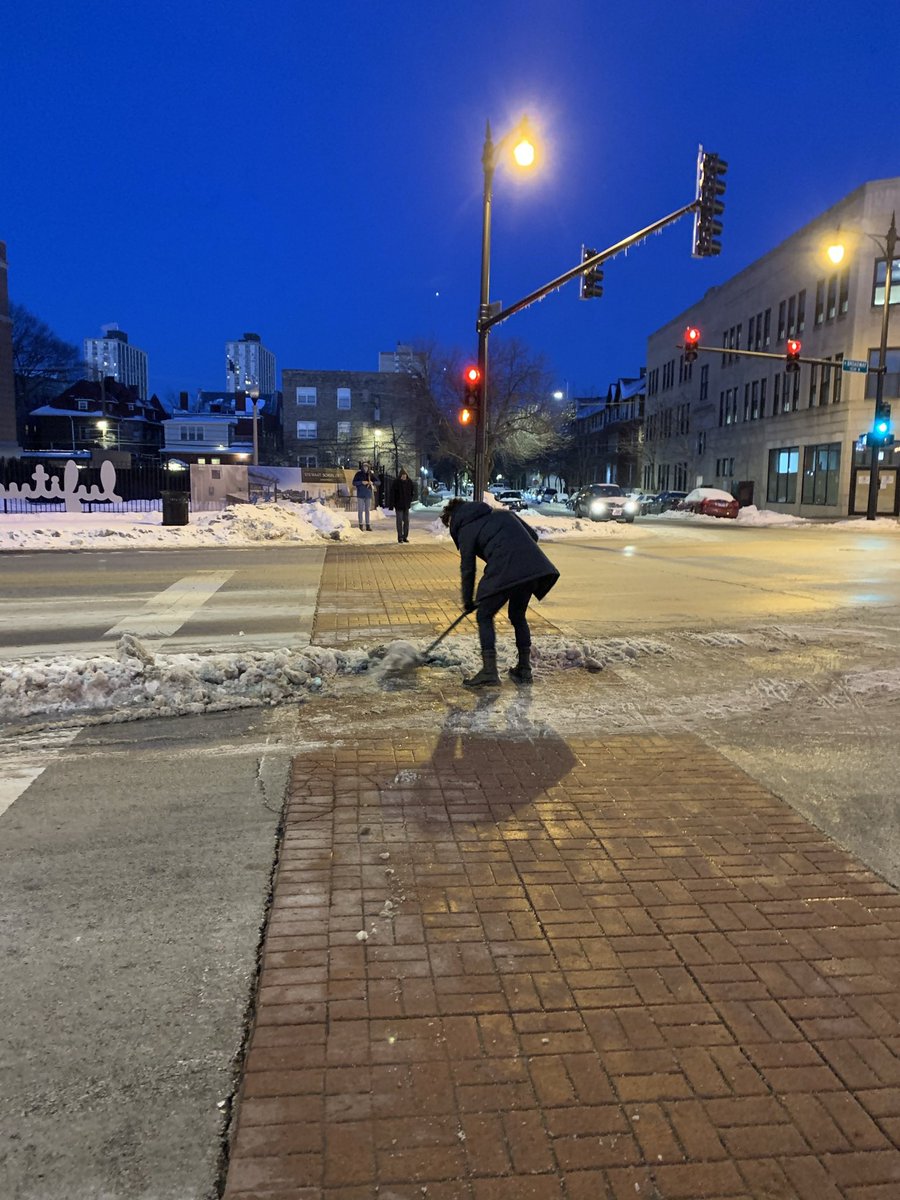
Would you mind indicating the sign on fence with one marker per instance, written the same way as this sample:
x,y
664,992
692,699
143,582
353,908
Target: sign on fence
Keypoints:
x,y
49,489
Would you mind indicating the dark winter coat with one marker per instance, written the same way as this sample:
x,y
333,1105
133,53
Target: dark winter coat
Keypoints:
x,y
508,547
404,489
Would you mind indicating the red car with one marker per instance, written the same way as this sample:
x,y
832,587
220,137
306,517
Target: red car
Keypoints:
x,y
710,502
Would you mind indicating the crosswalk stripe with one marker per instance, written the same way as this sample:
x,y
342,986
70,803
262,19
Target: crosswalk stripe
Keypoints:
x,y
169,609
21,765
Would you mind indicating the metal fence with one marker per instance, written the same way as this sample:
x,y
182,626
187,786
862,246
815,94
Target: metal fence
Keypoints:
x,y
140,488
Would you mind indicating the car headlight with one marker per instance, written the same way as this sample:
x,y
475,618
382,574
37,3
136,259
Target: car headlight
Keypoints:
x,y
598,506
630,506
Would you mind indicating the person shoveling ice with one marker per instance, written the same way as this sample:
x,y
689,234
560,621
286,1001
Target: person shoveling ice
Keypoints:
x,y
515,570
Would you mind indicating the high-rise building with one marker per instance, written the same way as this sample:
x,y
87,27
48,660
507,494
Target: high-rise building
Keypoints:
x,y
112,356
8,445
249,366
402,361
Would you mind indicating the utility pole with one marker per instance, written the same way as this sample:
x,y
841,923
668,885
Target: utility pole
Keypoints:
x,y
889,246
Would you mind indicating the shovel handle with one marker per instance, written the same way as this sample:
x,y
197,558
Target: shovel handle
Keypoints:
x,y
437,641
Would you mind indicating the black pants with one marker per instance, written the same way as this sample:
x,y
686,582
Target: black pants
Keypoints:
x,y
402,515
518,599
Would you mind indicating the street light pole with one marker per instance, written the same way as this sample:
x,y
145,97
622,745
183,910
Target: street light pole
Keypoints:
x,y
254,397
488,162
890,246
524,154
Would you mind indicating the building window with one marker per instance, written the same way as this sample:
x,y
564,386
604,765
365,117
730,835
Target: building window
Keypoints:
x,y
343,398
681,474
776,397
763,384
892,377
307,460
307,431
704,381
782,484
746,401
343,430
820,302
701,442
767,321
82,405
751,330
844,293
831,302
192,433
838,378
792,317
754,400
653,382
801,311
821,471
878,290
824,384
813,386
306,395
782,309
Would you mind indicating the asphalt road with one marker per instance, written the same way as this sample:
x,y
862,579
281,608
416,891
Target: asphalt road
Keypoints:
x,y
665,575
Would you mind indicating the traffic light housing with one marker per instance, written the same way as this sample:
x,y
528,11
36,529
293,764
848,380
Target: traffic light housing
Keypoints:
x,y
471,404
792,355
881,427
710,188
691,343
590,284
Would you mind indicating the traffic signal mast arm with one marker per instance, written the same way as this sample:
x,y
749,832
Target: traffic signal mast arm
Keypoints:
x,y
487,321
823,362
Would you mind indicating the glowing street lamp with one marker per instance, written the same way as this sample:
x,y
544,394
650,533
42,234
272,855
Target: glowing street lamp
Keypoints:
x,y
524,155
836,252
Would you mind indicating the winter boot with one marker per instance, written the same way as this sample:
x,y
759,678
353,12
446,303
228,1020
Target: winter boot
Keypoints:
x,y
521,672
487,676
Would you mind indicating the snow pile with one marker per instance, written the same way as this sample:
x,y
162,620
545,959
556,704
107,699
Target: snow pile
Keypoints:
x,y
237,525
137,681
751,515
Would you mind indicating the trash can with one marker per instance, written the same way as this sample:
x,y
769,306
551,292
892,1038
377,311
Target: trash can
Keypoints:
x,y
174,508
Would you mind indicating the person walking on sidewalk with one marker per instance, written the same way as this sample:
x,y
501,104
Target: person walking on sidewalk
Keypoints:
x,y
403,498
515,570
364,481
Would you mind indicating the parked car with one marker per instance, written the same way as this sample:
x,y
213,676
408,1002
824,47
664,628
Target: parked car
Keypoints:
x,y
512,500
710,502
548,496
661,502
604,502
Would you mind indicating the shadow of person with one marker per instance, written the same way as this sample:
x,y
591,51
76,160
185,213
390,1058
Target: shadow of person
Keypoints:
x,y
491,761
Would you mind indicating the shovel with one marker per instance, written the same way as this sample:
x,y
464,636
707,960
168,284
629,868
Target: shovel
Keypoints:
x,y
403,658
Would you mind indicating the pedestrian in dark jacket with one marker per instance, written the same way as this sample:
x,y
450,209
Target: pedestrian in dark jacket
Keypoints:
x,y
515,570
364,481
403,498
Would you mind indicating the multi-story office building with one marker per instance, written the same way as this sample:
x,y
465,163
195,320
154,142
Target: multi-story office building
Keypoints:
x,y
339,418
249,366
783,440
112,356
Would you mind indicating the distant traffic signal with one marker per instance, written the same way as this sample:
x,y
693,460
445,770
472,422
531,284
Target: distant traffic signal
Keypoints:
x,y
792,354
710,187
691,343
468,414
881,426
590,284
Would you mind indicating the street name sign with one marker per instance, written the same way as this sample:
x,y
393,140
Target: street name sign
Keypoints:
x,y
857,365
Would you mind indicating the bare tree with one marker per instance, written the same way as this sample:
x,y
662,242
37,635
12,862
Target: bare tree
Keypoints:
x,y
44,364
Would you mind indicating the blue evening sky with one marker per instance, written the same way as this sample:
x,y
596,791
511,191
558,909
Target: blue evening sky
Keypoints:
x,y
312,172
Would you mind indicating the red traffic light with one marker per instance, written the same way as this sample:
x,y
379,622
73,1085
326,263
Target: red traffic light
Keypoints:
x,y
692,336
473,375
466,416
793,347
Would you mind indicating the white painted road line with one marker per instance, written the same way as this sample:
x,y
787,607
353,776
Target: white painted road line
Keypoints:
x,y
25,760
168,611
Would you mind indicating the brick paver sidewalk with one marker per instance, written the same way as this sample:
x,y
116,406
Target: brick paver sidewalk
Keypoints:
x,y
595,968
